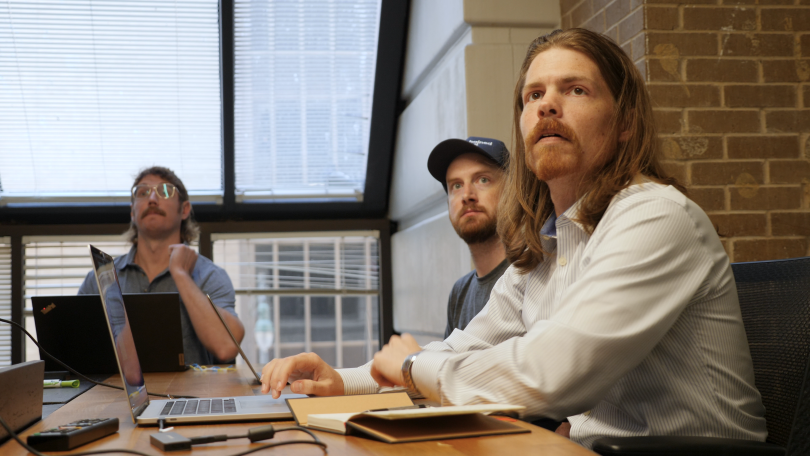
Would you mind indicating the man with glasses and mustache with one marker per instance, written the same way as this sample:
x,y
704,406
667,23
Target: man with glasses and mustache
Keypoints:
x,y
161,261
619,311
471,173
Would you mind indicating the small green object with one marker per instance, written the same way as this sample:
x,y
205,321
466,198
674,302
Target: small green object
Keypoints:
x,y
70,383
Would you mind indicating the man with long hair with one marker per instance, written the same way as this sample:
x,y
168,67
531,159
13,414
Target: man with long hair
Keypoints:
x,y
620,310
160,260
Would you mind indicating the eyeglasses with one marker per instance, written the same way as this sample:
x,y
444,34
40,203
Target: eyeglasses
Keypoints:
x,y
164,191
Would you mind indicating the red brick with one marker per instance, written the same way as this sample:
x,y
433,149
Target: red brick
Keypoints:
x,y
686,44
731,225
787,70
726,173
753,198
667,121
769,249
709,198
790,223
763,147
660,18
721,70
581,13
632,25
758,2
664,70
788,120
719,18
692,147
806,96
763,96
789,171
765,44
785,19
721,121
684,95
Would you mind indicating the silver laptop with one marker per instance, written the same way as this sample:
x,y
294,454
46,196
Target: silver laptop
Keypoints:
x,y
146,412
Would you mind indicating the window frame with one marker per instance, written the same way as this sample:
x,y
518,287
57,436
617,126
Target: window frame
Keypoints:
x,y
386,107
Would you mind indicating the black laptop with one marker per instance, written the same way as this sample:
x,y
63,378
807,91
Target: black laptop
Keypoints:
x,y
70,328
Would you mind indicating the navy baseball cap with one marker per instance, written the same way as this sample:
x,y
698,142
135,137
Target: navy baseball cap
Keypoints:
x,y
447,151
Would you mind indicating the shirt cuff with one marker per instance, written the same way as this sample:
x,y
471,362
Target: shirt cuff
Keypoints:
x,y
357,381
425,373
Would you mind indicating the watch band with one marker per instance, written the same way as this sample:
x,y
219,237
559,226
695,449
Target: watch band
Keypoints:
x,y
407,366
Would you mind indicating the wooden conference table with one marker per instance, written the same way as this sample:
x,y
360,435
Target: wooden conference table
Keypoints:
x,y
103,402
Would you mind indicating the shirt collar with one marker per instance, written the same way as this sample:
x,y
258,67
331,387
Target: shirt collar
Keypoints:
x,y
550,227
129,258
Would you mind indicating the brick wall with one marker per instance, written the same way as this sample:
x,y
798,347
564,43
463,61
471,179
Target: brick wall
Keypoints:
x,y
730,84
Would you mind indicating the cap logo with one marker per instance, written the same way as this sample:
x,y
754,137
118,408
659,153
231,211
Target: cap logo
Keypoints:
x,y
479,142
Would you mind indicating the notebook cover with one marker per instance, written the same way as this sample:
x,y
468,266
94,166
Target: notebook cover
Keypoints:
x,y
433,428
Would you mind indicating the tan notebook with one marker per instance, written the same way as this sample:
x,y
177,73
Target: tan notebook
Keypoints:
x,y
301,408
397,426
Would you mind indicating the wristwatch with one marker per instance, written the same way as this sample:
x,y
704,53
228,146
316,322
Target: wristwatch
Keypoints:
x,y
407,365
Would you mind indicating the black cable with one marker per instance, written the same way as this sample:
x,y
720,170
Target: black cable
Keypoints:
x,y
299,428
78,373
139,453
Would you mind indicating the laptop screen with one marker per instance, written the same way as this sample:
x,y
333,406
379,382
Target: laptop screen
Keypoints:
x,y
123,343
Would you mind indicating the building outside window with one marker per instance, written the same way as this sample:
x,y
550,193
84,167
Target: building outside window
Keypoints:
x,y
302,293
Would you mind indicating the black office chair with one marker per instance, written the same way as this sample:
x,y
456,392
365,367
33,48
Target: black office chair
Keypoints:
x,y
775,304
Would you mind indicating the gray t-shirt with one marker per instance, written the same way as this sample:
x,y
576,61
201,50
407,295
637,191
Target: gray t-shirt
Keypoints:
x,y
469,295
211,279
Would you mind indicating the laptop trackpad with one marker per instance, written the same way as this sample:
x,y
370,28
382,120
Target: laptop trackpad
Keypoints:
x,y
257,405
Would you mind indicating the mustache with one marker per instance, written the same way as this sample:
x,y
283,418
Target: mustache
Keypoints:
x,y
550,125
472,207
153,210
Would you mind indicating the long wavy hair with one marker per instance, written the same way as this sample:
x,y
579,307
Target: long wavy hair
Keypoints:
x,y
189,230
526,202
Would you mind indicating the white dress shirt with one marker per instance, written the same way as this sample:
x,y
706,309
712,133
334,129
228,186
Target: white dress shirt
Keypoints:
x,y
633,330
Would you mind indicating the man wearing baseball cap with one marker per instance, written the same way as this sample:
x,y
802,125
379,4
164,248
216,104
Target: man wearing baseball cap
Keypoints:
x,y
471,172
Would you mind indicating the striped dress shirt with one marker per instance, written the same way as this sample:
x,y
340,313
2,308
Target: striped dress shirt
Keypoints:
x,y
634,330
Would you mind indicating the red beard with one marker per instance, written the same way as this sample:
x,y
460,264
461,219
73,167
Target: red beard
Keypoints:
x,y
550,161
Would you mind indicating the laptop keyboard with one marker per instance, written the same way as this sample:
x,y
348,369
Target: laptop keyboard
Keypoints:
x,y
199,407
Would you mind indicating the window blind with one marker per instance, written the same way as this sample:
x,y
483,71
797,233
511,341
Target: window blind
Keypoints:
x,y
5,300
93,91
304,79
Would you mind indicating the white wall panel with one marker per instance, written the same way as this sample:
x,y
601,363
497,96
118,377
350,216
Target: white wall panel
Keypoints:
x,y
428,259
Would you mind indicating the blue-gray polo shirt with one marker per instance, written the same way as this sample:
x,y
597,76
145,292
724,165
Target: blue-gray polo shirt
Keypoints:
x,y
211,279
